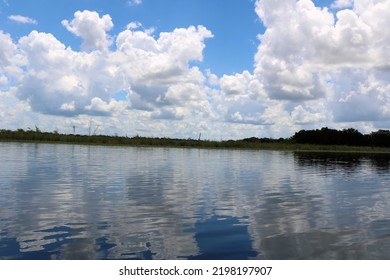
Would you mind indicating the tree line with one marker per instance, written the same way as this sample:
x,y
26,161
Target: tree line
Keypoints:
x,y
345,137
324,136
37,135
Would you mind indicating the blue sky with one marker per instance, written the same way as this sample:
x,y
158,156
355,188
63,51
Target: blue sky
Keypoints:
x,y
234,23
230,69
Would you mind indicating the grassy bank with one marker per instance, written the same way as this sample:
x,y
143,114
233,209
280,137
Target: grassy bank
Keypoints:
x,y
137,141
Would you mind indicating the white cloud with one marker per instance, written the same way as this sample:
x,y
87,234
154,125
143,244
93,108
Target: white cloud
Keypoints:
x,y
306,52
7,50
157,70
100,107
314,67
170,113
10,59
306,115
3,81
361,96
60,81
68,106
92,28
302,42
134,25
15,113
134,2
341,4
22,19
310,56
235,85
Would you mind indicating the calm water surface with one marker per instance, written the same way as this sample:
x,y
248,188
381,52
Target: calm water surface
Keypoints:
x,y
90,202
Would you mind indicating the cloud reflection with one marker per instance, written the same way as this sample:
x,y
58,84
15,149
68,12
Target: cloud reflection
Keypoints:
x,y
83,202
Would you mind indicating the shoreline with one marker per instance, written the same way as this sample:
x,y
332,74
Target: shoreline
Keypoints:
x,y
217,145
324,140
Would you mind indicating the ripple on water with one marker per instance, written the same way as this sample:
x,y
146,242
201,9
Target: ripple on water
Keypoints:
x,y
82,202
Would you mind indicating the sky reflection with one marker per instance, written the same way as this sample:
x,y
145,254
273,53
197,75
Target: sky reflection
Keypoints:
x,y
84,202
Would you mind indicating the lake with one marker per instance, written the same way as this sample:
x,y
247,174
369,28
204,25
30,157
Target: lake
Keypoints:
x,y
94,202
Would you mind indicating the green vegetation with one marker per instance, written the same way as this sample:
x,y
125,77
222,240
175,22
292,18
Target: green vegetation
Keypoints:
x,y
325,139
349,137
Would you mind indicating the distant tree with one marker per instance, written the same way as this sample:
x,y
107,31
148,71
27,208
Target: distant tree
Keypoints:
x,y
327,136
350,137
381,138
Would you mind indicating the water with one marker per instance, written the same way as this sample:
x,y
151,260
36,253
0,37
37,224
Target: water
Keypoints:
x,y
90,202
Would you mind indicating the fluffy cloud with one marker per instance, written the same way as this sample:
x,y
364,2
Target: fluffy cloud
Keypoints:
x,y
155,73
60,81
7,50
10,60
285,61
337,64
314,66
167,58
361,95
158,72
302,42
305,35
309,114
92,28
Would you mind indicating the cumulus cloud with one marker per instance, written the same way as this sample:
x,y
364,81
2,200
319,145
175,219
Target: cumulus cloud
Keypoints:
x,y
92,28
303,41
154,71
283,59
10,59
314,66
305,114
361,95
308,56
22,19
102,108
157,70
7,50
235,85
60,81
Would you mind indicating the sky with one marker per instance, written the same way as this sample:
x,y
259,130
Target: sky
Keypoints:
x,y
177,68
